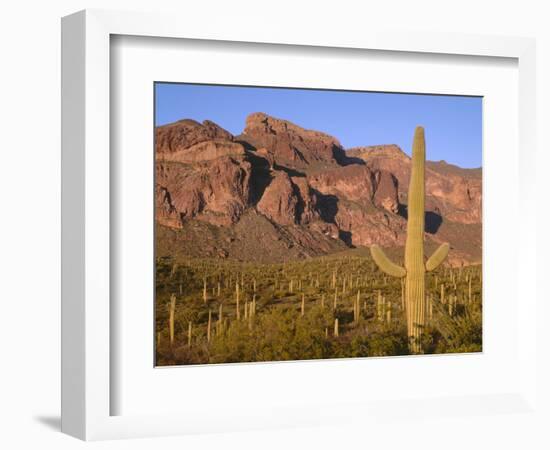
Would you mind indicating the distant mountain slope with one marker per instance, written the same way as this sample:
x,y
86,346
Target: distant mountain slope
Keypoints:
x,y
278,191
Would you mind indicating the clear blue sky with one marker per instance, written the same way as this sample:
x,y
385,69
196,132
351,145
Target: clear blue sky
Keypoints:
x,y
453,124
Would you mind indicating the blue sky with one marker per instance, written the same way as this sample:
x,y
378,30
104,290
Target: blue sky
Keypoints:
x,y
453,124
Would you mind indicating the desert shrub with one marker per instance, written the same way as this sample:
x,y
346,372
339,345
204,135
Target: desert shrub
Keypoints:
x,y
460,333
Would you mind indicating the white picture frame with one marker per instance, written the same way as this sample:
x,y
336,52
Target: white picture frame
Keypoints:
x,y
87,384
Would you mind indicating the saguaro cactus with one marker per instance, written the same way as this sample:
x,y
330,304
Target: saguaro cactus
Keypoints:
x,y
171,317
238,309
415,268
208,332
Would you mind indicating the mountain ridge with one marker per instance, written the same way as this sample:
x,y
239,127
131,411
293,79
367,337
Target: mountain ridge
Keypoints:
x,y
313,195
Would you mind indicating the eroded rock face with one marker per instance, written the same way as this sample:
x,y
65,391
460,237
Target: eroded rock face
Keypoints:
x,y
359,184
291,145
280,200
200,173
365,229
457,193
203,151
452,192
289,200
166,212
350,182
307,201
216,191
386,193
183,134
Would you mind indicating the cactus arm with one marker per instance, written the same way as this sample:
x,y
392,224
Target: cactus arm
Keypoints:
x,y
384,263
438,257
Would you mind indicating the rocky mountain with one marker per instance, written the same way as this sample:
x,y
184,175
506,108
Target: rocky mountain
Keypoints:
x,y
278,191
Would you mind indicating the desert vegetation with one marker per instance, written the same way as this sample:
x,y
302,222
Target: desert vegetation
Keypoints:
x,y
225,311
279,244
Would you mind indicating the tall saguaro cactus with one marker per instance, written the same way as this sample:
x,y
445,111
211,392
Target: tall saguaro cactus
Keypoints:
x,y
415,268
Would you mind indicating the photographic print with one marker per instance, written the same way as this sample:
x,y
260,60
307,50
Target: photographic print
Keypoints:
x,y
301,224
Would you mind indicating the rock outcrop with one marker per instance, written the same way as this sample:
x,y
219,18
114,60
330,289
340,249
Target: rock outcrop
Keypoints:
x,y
291,146
185,133
203,151
386,193
216,191
451,192
280,201
353,183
